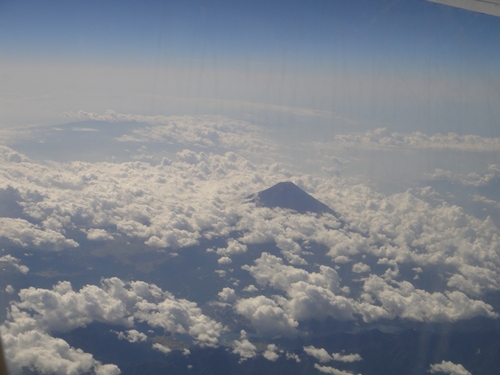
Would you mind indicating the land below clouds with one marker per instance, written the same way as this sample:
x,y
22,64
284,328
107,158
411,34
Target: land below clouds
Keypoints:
x,y
382,352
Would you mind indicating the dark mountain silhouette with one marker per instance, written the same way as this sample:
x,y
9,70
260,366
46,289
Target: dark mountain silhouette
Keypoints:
x,y
290,196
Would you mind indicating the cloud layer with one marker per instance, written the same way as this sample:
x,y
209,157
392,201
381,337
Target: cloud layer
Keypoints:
x,y
387,257
42,312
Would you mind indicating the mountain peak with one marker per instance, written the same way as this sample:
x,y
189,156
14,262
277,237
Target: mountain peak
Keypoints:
x,y
289,196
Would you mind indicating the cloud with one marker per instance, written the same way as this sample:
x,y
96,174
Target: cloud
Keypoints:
x,y
270,269
449,368
488,178
221,273
62,309
486,201
405,301
381,138
45,354
315,302
293,356
285,228
346,357
162,348
194,195
132,335
14,263
250,288
331,370
320,354
360,268
406,230
311,295
227,295
267,317
244,348
41,312
224,260
180,316
98,235
290,249
473,280
101,369
316,295
10,289
214,132
10,156
24,234
11,203
270,353
200,195
164,205
341,259
233,248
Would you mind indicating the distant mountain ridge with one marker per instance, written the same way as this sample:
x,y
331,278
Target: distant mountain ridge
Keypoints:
x,y
289,196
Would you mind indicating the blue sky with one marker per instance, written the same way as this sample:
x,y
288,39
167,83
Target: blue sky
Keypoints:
x,y
401,64
138,32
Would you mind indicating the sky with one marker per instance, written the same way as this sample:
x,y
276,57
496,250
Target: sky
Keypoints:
x,y
355,65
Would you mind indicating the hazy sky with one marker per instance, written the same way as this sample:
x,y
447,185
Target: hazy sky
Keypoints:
x,y
346,65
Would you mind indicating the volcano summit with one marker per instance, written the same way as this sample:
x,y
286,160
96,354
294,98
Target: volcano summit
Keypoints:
x,y
289,196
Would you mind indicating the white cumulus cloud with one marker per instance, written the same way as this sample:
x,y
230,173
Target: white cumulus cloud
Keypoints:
x,y
162,348
132,335
244,348
41,312
448,367
227,295
14,263
271,353
267,317
331,370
